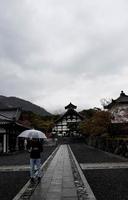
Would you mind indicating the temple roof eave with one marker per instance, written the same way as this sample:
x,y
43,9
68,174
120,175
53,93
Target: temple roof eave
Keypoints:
x,y
70,106
69,112
122,99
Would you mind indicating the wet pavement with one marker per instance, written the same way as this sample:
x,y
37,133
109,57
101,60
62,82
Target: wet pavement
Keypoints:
x,y
58,182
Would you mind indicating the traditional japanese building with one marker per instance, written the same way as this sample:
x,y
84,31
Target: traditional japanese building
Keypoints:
x,y
119,112
10,127
68,124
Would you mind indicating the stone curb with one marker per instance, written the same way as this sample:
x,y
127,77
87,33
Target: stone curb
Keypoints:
x,y
87,189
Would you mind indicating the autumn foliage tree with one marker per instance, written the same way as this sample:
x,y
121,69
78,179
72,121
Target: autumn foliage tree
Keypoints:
x,y
97,124
43,123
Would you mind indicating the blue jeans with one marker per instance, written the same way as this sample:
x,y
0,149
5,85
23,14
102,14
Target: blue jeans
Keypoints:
x,y
35,165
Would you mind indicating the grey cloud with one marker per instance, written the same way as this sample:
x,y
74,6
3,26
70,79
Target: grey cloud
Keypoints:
x,y
57,48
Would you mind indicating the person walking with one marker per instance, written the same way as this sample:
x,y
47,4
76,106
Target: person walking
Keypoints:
x,y
35,147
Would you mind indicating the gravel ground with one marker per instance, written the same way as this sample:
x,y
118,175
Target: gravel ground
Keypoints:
x,y
86,154
12,182
108,184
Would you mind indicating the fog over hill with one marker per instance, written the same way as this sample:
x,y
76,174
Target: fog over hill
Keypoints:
x,y
8,102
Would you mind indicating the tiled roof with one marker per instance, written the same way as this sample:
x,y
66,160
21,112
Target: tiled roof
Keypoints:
x,y
69,112
70,106
10,113
3,118
123,98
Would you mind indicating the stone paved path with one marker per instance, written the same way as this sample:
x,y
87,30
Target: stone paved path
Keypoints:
x,y
58,182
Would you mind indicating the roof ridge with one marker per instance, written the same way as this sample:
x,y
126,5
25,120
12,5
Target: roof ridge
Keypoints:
x,y
5,117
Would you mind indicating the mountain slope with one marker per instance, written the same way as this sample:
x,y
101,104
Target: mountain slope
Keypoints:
x,y
8,102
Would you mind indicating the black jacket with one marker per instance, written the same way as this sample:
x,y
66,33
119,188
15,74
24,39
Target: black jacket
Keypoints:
x,y
35,148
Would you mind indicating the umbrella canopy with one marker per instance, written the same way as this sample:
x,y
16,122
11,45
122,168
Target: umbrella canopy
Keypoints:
x,y
32,133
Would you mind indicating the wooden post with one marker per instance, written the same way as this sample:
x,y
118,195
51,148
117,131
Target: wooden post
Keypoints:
x,y
5,143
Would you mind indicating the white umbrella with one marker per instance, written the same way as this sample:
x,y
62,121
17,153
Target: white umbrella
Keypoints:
x,y
32,133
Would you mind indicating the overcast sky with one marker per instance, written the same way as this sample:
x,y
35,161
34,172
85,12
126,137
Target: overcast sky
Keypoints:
x,y
54,52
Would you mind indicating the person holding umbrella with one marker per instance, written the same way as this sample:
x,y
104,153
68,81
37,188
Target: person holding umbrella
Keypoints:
x,y
35,147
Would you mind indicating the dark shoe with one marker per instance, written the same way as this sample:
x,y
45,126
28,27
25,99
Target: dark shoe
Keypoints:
x,y
39,179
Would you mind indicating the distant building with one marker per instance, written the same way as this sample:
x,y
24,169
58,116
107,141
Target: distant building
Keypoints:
x,y
11,124
119,112
68,124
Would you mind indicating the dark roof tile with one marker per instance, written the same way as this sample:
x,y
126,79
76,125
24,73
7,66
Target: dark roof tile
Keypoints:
x,y
123,98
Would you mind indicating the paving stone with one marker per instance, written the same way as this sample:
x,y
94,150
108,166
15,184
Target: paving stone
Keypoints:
x,y
69,192
58,181
69,198
55,189
68,184
38,197
53,195
66,178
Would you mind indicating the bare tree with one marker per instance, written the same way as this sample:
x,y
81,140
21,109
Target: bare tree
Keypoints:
x,y
105,101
